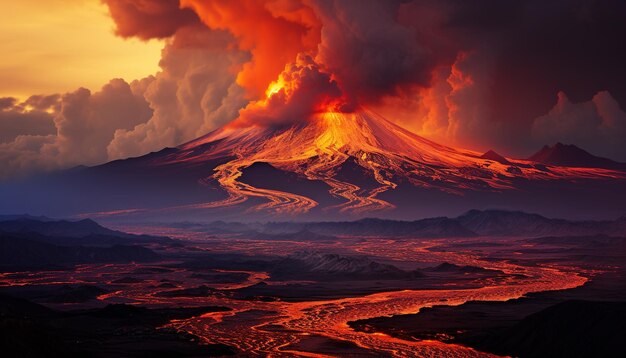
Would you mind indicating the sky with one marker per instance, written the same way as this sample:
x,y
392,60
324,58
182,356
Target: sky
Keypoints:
x,y
52,46
90,81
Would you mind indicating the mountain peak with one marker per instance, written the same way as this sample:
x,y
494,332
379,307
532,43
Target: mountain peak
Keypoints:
x,y
493,155
570,155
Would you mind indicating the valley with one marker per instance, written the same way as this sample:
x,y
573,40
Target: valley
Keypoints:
x,y
324,295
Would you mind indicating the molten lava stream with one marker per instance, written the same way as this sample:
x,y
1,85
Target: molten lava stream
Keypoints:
x,y
330,318
270,328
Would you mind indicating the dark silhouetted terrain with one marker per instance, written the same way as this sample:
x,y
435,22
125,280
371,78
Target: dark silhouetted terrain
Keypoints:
x,y
569,155
31,330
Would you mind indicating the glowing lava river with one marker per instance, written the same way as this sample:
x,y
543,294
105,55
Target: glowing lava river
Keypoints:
x,y
329,318
279,328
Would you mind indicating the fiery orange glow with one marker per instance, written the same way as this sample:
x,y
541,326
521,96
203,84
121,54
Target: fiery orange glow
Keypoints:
x,y
273,31
274,88
301,90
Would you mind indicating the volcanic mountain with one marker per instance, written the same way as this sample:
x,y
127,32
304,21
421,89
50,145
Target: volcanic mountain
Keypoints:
x,y
353,163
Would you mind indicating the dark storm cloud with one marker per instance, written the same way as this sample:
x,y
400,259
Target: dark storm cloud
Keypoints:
x,y
534,50
147,19
543,47
369,52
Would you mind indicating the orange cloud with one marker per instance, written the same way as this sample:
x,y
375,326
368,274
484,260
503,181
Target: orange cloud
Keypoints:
x,y
302,89
274,32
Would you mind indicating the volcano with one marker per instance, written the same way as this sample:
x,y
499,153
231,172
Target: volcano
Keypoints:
x,y
322,149
353,163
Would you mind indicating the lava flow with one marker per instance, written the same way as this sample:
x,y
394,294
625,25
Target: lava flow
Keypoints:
x,y
284,324
277,328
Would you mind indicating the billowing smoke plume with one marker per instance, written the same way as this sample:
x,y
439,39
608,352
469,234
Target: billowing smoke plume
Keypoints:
x,y
302,89
195,93
367,51
273,32
468,73
84,124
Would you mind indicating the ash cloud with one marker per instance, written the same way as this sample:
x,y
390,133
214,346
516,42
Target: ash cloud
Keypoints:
x,y
273,32
368,50
307,89
529,50
537,49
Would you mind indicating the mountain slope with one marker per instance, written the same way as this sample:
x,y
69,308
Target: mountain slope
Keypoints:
x,y
492,155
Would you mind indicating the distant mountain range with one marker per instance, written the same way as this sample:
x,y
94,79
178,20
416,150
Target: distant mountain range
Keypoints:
x,y
84,232
472,223
80,228
28,243
517,223
432,227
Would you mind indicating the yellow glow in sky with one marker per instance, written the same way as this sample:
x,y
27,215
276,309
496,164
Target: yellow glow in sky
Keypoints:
x,y
56,46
